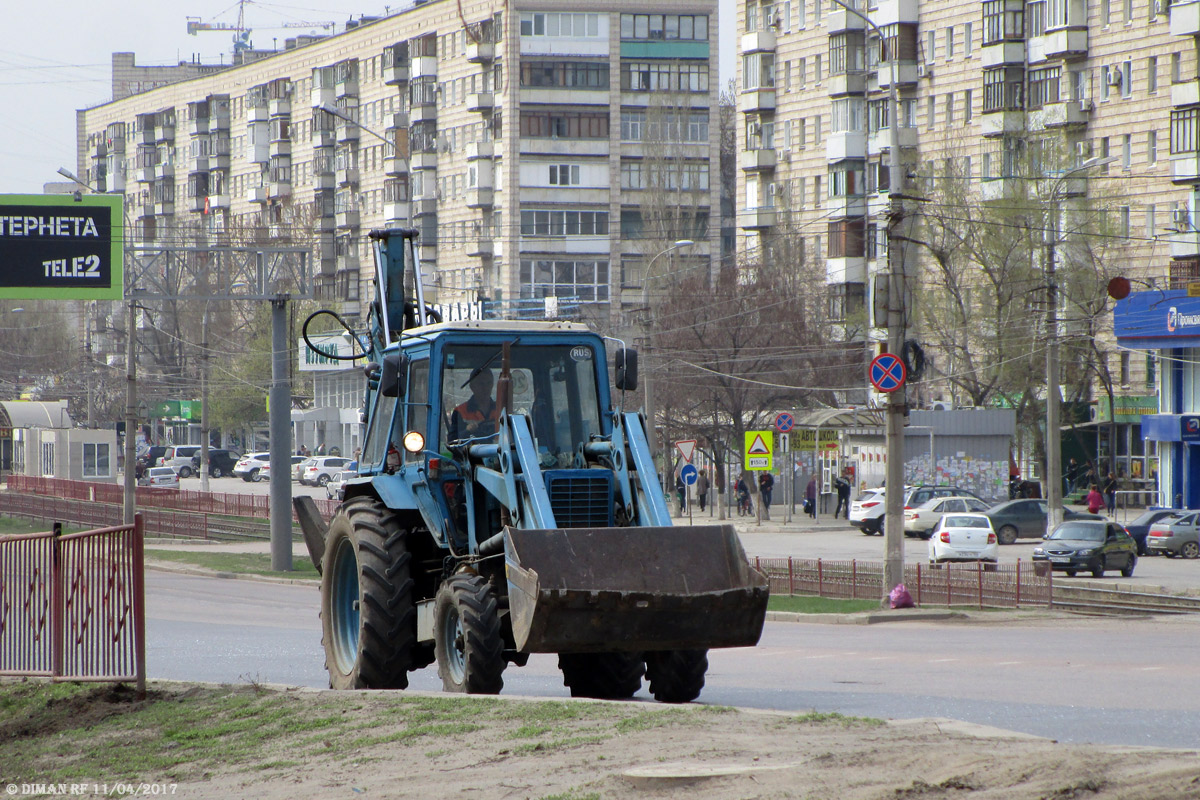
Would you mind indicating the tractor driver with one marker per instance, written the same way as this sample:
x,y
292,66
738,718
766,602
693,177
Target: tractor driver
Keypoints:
x,y
478,415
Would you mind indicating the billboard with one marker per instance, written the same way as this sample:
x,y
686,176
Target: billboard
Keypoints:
x,y
53,247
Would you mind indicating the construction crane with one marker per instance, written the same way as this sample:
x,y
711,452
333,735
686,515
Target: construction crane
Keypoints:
x,y
241,34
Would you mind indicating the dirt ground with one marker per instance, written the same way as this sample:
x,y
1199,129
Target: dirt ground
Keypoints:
x,y
698,753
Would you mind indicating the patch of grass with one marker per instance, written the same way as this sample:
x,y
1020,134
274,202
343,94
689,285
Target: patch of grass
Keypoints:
x,y
240,563
654,719
571,794
529,731
834,718
16,525
557,744
801,604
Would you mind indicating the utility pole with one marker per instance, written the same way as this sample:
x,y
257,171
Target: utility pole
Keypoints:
x,y
130,415
280,416
204,366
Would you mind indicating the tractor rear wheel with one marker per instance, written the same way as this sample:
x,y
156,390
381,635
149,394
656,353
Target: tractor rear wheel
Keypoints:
x,y
470,648
368,621
605,676
676,676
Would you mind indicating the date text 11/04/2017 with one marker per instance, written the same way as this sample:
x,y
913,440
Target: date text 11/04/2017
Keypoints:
x,y
78,267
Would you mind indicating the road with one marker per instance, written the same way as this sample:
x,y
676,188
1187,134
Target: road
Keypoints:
x,y
1132,682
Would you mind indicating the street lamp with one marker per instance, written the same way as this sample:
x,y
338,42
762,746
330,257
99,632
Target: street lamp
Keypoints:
x,y
646,380
1054,498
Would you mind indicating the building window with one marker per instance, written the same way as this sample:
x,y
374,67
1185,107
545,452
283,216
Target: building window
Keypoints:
x,y
564,174
1152,147
949,109
1123,213
564,75
845,299
845,53
583,280
564,223
1035,17
758,71
846,178
578,26
1152,72
950,43
1003,20
847,114
1127,150
968,30
967,111
1127,78
669,27
847,238
562,125
1185,126
96,460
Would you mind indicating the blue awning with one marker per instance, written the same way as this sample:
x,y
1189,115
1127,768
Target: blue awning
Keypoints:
x,y
1171,427
1157,320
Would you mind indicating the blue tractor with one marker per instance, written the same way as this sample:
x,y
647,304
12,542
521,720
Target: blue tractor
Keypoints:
x,y
506,504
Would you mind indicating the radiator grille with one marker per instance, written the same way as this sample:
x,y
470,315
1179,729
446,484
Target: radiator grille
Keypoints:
x,y
581,498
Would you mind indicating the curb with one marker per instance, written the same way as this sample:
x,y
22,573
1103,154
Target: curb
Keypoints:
x,y
200,572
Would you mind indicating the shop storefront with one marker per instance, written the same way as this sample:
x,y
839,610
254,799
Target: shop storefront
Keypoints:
x,y
1166,324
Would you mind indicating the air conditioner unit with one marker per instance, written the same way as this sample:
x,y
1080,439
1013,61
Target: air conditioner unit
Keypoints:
x,y
1180,218
772,190
754,129
942,405
1160,7
784,154
1114,76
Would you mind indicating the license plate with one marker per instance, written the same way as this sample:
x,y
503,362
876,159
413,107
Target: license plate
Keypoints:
x,y
1060,559
969,553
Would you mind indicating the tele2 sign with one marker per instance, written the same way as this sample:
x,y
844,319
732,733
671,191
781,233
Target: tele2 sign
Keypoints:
x,y
54,247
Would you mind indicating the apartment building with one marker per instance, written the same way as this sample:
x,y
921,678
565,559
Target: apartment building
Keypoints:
x,y
520,139
978,87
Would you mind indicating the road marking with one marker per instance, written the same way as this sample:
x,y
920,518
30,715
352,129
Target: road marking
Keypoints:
x,y
942,660
1006,663
1150,669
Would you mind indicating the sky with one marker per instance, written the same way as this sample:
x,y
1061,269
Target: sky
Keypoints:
x,y
56,56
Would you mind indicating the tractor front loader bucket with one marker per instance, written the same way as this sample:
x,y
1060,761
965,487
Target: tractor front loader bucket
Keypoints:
x,y
632,589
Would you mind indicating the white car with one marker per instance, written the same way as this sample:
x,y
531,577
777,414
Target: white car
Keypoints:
x,y
180,457
921,521
249,467
320,470
335,489
160,478
963,537
865,509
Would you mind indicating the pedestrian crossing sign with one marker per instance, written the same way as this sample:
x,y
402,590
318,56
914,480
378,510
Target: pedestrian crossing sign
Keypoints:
x,y
760,447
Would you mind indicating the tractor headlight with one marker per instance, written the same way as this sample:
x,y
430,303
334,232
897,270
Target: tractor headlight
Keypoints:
x,y
414,442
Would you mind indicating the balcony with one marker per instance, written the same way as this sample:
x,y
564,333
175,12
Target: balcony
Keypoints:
x,y
347,87
324,180
907,73
1064,43
480,52
995,55
841,20
395,166
756,218
757,100
280,106
480,247
1186,93
165,170
477,150
891,12
347,219
323,137
1061,115
1001,123
197,126
346,176
256,194
258,114
1185,19
280,147
479,197
1185,244
144,210
347,131
1185,168
221,160
395,74
427,252
397,121
847,83
164,133
196,202
881,141
396,212
847,269
422,161
146,174
423,66
422,112
279,189
481,102
991,189
846,206
759,41
164,208
425,206
755,160
216,201
324,224
847,144
322,96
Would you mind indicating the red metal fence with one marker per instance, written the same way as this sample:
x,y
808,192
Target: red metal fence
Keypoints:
x,y
73,607
991,585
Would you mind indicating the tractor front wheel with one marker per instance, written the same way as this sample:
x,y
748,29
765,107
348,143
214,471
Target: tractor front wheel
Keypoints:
x,y
676,676
605,676
467,638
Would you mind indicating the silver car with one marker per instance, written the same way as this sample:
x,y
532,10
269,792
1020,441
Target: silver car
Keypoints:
x,y
1176,535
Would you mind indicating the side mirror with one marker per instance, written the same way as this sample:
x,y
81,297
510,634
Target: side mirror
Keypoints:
x,y
625,367
393,377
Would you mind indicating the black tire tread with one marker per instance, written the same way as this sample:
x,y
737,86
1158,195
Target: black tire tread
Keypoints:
x,y
387,616
676,676
483,646
1127,570
604,676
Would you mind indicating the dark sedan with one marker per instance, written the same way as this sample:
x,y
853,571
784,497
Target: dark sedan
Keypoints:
x,y
1025,518
1088,546
1139,527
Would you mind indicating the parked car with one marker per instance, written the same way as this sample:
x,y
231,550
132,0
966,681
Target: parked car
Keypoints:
x,y
1176,535
180,457
871,519
1139,528
321,469
336,488
148,459
1088,546
862,506
220,462
298,465
1026,518
963,537
265,472
922,520
160,477
249,466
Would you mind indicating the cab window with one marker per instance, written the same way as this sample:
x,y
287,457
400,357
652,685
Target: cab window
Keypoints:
x,y
417,399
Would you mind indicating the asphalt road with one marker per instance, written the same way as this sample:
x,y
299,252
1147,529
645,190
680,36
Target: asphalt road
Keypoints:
x,y
1132,682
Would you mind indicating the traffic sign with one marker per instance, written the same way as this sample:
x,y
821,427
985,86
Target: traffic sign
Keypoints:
x,y
760,445
689,474
686,448
784,422
887,372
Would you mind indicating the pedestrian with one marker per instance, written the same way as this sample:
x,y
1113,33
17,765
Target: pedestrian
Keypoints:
x,y
742,491
766,484
1095,501
810,497
1110,492
321,449
702,488
681,490
1069,477
842,485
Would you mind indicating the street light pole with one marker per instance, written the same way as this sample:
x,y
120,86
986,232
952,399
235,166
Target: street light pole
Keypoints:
x,y
130,416
204,366
1054,493
646,379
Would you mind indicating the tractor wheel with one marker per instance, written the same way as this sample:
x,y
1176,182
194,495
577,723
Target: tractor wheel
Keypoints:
x,y
676,676
368,621
1007,535
470,648
606,676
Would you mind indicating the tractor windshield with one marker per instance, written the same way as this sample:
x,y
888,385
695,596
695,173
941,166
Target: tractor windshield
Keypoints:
x,y
554,385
